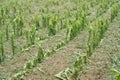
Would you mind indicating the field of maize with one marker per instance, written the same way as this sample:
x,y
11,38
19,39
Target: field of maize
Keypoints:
x,y
59,39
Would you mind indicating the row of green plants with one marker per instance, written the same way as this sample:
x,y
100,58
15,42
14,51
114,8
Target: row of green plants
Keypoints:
x,y
115,69
116,59
76,25
95,35
29,65
2,50
104,6
96,31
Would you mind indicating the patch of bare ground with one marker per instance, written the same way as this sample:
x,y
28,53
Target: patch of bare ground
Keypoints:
x,y
100,61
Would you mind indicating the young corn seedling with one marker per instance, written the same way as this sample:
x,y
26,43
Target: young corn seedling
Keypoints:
x,y
2,47
96,33
78,65
2,16
52,25
34,62
45,19
27,36
40,55
32,35
78,25
64,75
90,41
14,25
115,69
21,25
72,73
36,20
13,44
28,65
7,31
114,11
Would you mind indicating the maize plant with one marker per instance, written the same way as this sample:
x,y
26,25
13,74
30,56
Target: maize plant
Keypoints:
x,y
52,25
14,24
28,65
77,66
34,62
40,55
26,32
32,35
36,20
60,44
1,47
17,21
2,18
102,8
115,69
7,32
45,19
64,75
61,23
90,40
66,23
19,25
13,44
96,34
114,11
54,49
72,73
78,25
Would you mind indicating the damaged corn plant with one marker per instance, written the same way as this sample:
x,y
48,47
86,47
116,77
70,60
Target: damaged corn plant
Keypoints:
x,y
29,65
115,69
72,73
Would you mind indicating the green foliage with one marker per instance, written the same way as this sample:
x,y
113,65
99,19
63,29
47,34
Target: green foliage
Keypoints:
x,y
40,55
72,73
18,25
27,36
96,33
1,47
115,69
28,65
7,32
52,25
36,20
32,35
13,44
114,11
77,25
78,64
64,75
